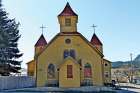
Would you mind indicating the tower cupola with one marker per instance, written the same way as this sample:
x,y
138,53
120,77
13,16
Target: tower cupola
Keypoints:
x,y
40,44
68,20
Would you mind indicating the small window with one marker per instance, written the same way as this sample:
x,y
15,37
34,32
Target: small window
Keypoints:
x,y
69,71
106,64
67,41
106,74
68,22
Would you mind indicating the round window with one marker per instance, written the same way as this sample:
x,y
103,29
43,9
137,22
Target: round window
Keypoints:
x,y
67,41
105,64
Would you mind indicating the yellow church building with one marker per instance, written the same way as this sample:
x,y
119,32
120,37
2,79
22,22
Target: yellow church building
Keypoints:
x,y
69,59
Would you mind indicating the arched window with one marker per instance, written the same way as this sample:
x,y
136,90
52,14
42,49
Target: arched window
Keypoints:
x,y
51,71
87,71
66,53
70,53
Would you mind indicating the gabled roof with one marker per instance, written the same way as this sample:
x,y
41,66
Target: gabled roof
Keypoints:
x,y
41,41
95,40
107,60
78,34
67,11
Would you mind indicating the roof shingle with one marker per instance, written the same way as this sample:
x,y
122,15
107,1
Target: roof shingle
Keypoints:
x,y
95,40
41,41
67,11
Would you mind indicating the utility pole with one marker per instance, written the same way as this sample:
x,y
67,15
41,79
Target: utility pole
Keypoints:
x,y
131,67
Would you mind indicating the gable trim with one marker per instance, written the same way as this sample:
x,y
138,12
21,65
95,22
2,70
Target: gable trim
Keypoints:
x,y
77,34
68,58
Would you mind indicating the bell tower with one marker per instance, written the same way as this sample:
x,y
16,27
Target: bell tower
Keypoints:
x,y
95,41
40,45
68,20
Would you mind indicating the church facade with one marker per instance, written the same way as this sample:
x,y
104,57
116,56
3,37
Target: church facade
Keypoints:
x,y
69,59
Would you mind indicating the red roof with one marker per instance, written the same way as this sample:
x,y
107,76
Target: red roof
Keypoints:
x,y
95,40
67,11
41,41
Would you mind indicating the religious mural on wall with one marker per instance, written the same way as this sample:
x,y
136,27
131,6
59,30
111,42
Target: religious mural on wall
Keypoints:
x,y
51,71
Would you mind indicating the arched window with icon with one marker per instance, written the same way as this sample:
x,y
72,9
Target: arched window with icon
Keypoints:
x,y
51,71
87,70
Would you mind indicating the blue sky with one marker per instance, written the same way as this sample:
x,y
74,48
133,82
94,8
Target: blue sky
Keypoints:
x,y
118,23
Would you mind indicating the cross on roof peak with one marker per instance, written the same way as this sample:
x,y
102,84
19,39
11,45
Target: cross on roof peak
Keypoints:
x,y
42,27
94,26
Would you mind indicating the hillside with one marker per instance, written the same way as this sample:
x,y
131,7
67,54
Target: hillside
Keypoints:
x,y
135,62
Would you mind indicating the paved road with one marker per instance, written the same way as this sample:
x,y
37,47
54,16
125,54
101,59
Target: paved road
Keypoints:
x,y
126,88
129,88
128,91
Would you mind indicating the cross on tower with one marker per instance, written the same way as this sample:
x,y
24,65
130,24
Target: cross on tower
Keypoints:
x,y
94,26
42,27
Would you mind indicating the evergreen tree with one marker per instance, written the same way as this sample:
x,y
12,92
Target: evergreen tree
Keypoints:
x,y
9,52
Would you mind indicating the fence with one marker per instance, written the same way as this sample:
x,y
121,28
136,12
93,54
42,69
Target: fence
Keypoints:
x,y
13,82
